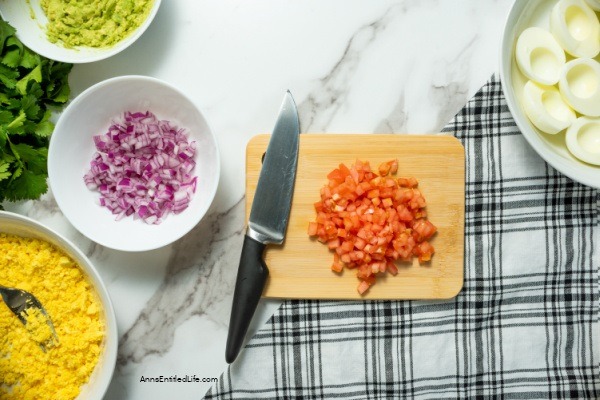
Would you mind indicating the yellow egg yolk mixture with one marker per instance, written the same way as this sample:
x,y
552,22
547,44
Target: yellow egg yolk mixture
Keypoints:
x,y
26,371
38,328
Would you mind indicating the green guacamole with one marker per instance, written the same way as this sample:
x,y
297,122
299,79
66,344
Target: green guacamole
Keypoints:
x,y
93,23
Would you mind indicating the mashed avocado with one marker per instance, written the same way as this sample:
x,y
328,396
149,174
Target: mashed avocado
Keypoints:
x,y
98,23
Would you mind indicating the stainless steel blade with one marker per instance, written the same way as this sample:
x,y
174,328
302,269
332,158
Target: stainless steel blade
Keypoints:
x,y
273,198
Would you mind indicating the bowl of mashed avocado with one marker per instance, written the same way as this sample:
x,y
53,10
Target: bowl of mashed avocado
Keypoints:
x,y
79,31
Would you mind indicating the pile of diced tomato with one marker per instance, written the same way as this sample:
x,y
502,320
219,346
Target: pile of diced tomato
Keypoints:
x,y
371,220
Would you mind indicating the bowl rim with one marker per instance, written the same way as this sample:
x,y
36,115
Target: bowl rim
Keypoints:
x,y
84,263
100,53
540,147
141,78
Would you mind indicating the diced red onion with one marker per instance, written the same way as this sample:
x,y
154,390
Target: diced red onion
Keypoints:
x,y
143,168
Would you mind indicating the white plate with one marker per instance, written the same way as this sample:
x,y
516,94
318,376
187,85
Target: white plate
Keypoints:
x,y
29,20
72,147
551,148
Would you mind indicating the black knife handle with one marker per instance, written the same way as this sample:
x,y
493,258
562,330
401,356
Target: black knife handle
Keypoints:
x,y
251,278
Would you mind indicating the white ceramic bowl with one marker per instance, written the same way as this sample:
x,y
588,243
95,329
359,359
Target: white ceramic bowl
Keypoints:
x,y
31,31
72,147
551,148
95,389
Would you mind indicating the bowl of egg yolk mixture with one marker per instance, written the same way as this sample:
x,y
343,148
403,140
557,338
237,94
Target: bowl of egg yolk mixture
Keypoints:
x,y
81,364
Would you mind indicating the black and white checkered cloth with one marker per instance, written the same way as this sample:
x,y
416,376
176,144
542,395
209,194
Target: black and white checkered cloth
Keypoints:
x,y
525,325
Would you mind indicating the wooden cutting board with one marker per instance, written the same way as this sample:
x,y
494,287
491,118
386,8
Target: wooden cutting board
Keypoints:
x,y
300,268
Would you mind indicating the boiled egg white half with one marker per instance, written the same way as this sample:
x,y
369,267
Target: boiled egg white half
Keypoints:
x,y
576,28
539,56
546,109
579,84
583,139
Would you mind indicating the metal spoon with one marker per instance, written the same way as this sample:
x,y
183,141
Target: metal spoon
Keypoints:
x,y
20,303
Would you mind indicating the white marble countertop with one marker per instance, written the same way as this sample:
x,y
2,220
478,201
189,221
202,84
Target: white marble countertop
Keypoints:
x,y
352,66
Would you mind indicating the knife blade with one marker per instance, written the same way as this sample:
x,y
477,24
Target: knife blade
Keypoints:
x,y
267,223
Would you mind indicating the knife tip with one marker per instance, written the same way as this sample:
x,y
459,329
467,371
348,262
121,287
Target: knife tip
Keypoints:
x,y
230,356
289,100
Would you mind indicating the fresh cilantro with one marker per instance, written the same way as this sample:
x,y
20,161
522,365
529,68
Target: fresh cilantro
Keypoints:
x,y
27,185
4,172
6,32
30,86
31,59
35,74
45,127
5,117
8,76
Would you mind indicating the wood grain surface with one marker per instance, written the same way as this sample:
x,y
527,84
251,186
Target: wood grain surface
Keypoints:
x,y
300,268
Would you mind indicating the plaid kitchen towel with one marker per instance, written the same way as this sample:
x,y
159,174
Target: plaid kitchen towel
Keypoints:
x,y
524,326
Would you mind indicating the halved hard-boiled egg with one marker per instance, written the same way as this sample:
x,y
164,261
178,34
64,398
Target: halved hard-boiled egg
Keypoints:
x,y
539,56
576,28
546,109
583,139
579,84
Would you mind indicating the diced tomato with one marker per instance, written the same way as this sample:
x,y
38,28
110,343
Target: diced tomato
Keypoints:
x,y
344,170
371,194
424,228
369,221
336,176
337,267
312,228
424,251
394,166
360,243
404,213
347,246
392,268
333,243
388,167
345,258
408,182
363,286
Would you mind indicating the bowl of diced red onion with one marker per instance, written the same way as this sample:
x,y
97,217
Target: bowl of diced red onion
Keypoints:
x,y
133,163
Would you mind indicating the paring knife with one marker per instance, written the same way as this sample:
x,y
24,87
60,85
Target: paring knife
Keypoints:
x,y
267,223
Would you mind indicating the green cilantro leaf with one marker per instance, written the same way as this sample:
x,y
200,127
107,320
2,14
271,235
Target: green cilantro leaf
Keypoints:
x,y
35,74
30,59
6,31
34,89
33,159
45,127
8,76
12,58
31,107
13,52
27,185
3,140
61,95
4,172
16,123
5,117
17,172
